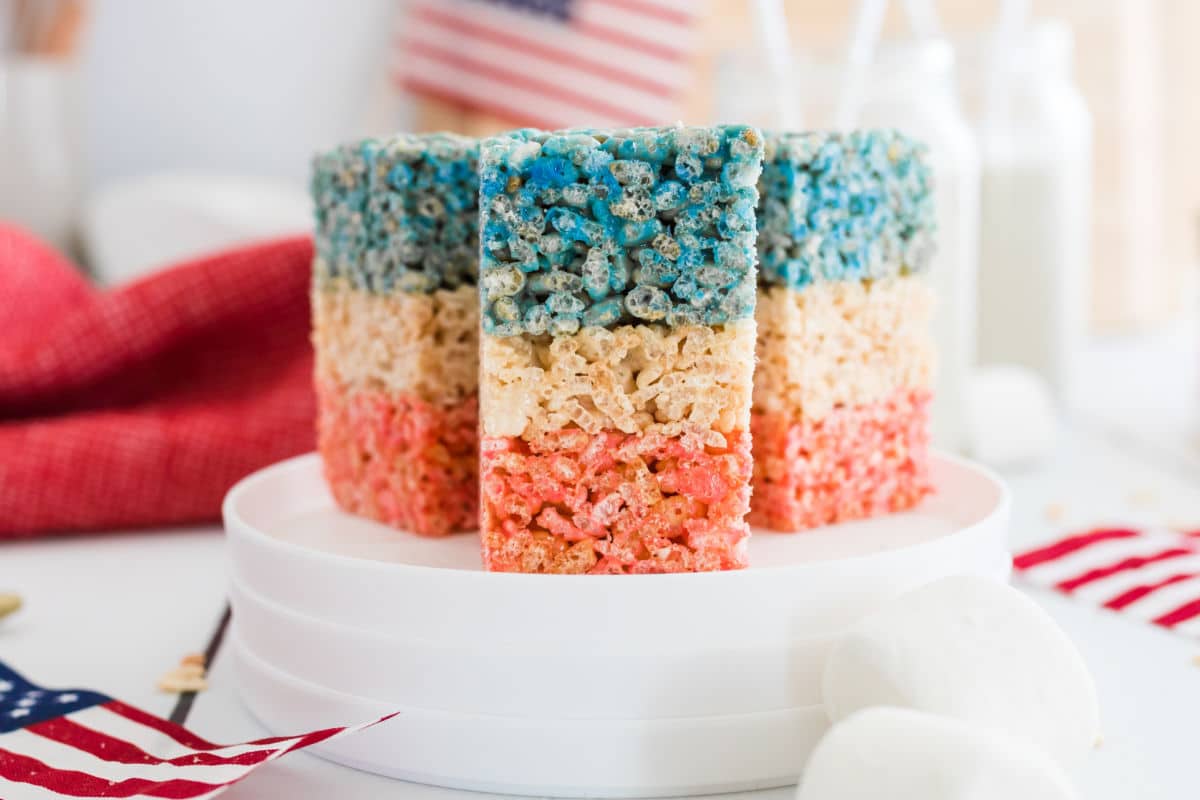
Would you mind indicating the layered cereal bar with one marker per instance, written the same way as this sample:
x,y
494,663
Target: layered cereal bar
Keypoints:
x,y
395,329
617,290
842,390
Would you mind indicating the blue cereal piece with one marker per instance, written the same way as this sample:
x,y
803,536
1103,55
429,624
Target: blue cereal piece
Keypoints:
x,y
596,269
646,302
604,314
401,214
835,206
649,225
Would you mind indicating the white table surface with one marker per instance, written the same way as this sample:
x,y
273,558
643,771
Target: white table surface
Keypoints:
x,y
115,612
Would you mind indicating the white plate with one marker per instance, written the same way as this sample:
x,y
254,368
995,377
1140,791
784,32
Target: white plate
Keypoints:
x,y
562,758
290,545
509,681
560,684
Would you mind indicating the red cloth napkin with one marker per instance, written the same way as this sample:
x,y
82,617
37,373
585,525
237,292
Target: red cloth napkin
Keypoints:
x,y
142,405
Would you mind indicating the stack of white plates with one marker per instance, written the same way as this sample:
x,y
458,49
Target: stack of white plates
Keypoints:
x,y
648,685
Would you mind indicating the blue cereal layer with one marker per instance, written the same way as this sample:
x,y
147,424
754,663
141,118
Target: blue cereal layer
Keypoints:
x,y
399,213
838,206
599,228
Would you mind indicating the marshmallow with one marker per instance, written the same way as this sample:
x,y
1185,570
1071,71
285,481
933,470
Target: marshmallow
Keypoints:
x,y
975,650
910,755
1011,421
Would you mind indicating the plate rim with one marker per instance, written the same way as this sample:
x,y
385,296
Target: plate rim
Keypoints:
x,y
236,526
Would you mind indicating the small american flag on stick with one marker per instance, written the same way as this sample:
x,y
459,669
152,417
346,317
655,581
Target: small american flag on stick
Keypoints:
x,y
551,63
56,744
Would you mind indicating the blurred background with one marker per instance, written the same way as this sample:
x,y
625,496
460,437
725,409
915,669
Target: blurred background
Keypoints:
x,y
134,133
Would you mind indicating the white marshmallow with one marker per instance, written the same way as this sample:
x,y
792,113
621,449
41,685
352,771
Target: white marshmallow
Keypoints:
x,y
975,650
901,754
1011,420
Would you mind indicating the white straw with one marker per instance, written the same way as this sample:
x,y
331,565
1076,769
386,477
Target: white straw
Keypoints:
x,y
1013,19
773,33
923,18
864,40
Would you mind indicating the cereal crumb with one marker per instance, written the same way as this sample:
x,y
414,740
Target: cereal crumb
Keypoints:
x,y
1098,743
1143,498
1055,512
187,677
9,603
1196,660
179,681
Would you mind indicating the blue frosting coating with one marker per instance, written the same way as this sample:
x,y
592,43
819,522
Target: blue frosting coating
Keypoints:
x,y
400,213
838,206
599,228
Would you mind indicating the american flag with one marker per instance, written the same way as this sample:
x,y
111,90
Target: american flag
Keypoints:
x,y
551,63
75,743
1143,573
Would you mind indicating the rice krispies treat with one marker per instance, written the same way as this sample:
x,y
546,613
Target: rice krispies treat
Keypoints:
x,y
395,315
841,394
855,462
425,345
398,213
602,228
841,343
617,297
632,379
843,206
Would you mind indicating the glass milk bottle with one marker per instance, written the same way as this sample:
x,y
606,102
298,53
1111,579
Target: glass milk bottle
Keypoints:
x,y
1036,152
910,86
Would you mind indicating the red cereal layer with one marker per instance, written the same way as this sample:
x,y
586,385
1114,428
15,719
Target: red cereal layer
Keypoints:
x,y
399,459
609,502
856,462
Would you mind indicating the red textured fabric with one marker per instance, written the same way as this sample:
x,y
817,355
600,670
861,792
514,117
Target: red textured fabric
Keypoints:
x,y
142,405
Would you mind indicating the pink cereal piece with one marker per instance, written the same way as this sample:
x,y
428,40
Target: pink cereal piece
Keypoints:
x,y
854,463
400,460
554,522
605,510
615,503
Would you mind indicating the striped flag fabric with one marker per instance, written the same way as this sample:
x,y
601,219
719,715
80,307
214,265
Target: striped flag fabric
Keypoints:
x,y
1144,573
551,63
57,744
